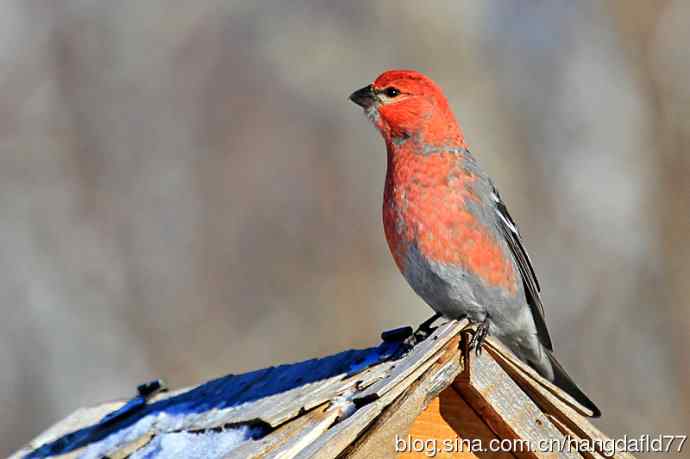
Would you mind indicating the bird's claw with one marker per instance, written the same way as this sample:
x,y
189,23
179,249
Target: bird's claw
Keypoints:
x,y
478,337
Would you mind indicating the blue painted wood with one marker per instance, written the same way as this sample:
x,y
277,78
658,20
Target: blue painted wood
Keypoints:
x,y
227,392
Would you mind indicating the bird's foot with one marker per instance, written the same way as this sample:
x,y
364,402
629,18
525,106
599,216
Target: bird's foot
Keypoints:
x,y
479,336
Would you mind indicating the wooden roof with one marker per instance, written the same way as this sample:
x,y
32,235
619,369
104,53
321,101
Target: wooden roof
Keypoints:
x,y
351,404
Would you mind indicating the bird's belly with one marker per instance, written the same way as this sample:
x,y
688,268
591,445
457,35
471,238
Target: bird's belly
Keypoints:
x,y
449,290
447,235
448,256
457,293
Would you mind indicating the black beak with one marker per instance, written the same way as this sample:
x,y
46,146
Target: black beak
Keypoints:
x,y
364,97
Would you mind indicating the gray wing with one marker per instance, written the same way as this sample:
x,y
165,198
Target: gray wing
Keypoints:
x,y
510,232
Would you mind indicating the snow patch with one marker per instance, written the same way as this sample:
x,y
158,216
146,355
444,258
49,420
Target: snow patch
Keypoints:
x,y
168,442
193,445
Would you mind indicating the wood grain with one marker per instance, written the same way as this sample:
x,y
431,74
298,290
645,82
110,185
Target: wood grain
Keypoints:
x,y
339,437
380,439
417,356
449,417
505,408
278,440
548,397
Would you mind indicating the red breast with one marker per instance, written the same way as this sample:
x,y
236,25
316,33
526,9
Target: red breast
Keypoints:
x,y
427,188
425,203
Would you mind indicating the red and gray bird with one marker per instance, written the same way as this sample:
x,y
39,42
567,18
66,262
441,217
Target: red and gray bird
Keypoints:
x,y
448,229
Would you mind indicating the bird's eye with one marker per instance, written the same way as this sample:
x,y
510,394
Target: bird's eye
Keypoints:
x,y
391,92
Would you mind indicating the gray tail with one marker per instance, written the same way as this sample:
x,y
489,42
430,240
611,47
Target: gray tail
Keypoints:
x,y
565,382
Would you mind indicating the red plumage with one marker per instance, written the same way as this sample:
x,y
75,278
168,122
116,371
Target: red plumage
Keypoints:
x,y
424,203
448,229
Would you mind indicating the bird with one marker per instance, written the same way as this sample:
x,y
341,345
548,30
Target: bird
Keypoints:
x,y
449,230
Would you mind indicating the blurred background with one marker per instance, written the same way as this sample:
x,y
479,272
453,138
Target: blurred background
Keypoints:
x,y
185,190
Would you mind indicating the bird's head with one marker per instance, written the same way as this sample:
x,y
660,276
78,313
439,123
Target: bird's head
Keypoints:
x,y
406,104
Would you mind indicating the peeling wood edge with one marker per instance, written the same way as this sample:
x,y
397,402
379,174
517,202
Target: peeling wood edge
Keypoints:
x,y
492,417
438,340
513,366
486,413
297,443
388,403
549,398
569,433
132,447
378,440
341,435
278,438
78,419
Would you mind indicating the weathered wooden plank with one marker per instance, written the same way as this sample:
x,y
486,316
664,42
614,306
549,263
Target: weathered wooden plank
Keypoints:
x,y
371,375
379,440
300,405
271,396
277,410
507,359
280,437
416,357
75,421
298,442
127,450
569,433
505,408
550,399
261,399
340,436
